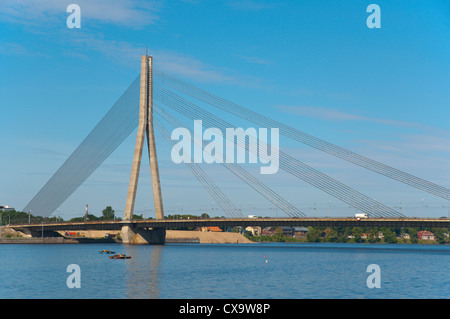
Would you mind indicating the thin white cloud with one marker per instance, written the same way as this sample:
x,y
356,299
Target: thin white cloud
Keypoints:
x,y
10,48
330,114
255,60
419,143
42,15
132,13
182,65
250,5
172,62
407,151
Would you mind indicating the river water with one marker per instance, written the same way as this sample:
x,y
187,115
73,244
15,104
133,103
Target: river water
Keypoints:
x,y
222,271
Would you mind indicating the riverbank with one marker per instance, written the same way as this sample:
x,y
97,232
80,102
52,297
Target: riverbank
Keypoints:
x,y
56,240
206,237
10,236
285,239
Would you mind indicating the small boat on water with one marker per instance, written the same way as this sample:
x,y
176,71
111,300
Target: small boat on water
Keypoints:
x,y
119,256
104,251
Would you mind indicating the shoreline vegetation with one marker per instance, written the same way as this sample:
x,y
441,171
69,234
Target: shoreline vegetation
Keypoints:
x,y
19,217
381,235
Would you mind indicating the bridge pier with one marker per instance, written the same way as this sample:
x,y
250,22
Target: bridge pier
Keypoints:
x,y
140,236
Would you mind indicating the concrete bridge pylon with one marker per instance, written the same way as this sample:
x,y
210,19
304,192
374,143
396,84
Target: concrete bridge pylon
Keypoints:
x,y
145,129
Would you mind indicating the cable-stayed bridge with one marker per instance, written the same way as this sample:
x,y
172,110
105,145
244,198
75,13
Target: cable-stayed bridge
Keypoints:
x,y
158,100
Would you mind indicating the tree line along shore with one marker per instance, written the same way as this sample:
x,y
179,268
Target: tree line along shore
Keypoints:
x,y
354,235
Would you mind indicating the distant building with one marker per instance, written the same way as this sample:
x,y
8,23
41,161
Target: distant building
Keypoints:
x,y
213,229
6,208
300,232
269,231
405,236
368,235
426,235
255,230
287,231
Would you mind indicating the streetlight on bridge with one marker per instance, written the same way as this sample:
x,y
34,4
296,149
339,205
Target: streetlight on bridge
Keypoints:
x,y
421,209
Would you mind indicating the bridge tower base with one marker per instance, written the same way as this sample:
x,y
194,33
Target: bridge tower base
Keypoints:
x,y
140,236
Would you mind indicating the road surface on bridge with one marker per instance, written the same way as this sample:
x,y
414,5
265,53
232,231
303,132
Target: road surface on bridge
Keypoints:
x,y
236,222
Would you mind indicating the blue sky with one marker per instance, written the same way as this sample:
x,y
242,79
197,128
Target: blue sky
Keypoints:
x,y
312,64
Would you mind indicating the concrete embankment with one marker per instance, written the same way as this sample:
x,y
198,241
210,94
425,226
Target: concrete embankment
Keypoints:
x,y
172,236
56,240
205,237
26,240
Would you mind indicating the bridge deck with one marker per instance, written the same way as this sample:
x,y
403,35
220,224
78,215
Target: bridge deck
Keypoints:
x,y
244,222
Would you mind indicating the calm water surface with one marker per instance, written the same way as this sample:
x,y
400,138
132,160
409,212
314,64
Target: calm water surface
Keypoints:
x,y
220,271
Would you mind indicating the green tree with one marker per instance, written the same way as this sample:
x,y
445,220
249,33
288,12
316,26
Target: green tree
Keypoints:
x,y
108,213
343,233
279,237
440,235
313,234
389,236
357,233
331,235
413,235
373,236
90,217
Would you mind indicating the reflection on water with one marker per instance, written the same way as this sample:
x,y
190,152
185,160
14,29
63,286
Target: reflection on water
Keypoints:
x,y
142,277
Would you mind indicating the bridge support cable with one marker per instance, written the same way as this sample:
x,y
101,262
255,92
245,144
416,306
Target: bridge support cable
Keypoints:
x,y
117,124
239,172
287,163
217,195
302,137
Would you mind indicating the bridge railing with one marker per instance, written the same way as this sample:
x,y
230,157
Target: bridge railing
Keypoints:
x,y
11,220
